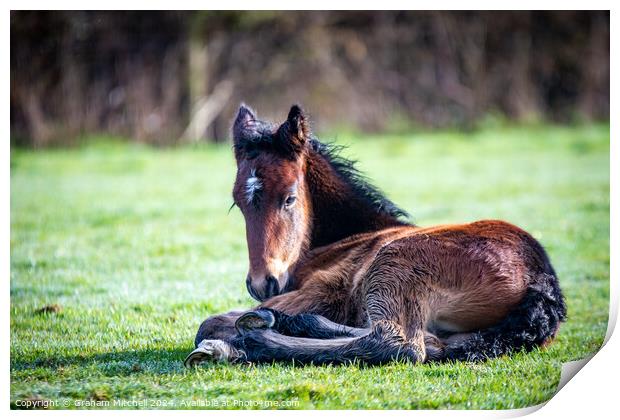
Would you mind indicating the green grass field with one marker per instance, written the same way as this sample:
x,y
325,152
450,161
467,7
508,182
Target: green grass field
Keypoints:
x,y
135,247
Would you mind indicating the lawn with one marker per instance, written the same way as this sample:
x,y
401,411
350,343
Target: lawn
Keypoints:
x,y
118,252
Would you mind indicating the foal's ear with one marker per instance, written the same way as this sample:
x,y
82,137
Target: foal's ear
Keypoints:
x,y
295,130
298,124
244,116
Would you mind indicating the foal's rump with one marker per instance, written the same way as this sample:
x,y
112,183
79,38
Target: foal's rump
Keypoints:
x,y
489,279
477,273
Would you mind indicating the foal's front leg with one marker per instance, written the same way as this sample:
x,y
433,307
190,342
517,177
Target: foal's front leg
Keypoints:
x,y
215,335
394,298
300,313
396,333
316,326
295,313
259,342
298,325
383,343
218,327
213,338
235,336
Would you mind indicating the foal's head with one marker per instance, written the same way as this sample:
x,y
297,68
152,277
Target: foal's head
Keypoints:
x,y
272,194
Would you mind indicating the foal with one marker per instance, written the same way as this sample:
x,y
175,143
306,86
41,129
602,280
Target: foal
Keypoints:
x,y
341,277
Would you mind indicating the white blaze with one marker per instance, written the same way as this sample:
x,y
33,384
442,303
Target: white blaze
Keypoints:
x,y
252,185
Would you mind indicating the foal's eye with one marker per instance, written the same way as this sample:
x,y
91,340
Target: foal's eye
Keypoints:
x,y
290,200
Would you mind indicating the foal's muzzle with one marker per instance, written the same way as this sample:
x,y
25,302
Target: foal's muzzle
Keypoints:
x,y
269,289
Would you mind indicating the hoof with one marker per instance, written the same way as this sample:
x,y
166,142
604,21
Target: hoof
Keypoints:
x,y
260,319
211,351
388,332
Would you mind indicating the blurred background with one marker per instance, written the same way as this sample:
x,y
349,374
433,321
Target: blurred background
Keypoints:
x,y
166,78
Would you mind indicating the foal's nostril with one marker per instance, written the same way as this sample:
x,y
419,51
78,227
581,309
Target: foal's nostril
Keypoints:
x,y
272,287
251,291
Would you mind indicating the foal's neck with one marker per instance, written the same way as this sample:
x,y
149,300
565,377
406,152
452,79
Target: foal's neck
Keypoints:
x,y
339,209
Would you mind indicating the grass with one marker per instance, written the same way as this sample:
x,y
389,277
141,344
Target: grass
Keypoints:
x,y
135,248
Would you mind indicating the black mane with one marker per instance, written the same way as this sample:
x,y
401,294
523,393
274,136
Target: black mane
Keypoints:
x,y
359,183
253,137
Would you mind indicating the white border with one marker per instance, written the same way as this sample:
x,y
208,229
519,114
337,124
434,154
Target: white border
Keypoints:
x,y
313,5
592,393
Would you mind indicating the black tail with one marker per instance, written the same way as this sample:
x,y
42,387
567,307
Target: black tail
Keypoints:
x,y
533,322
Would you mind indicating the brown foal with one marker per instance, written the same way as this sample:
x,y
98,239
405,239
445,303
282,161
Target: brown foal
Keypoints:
x,y
342,277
